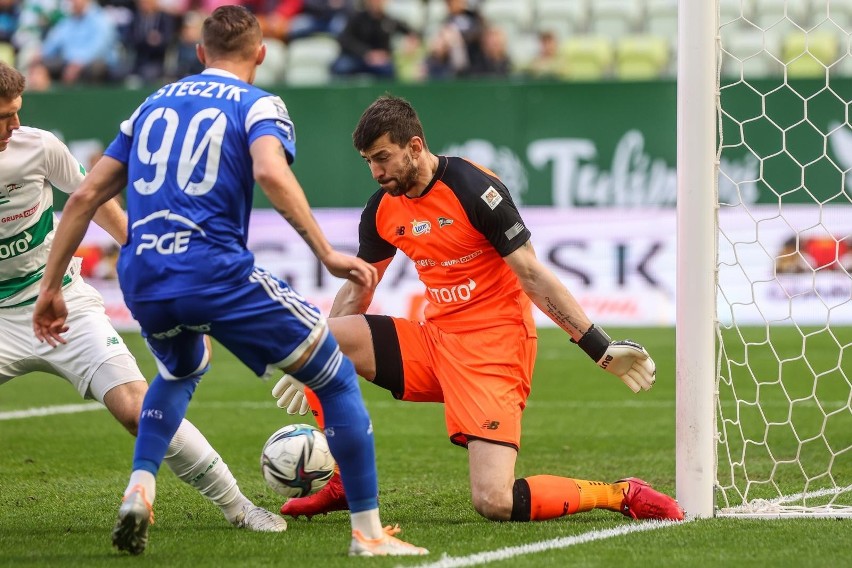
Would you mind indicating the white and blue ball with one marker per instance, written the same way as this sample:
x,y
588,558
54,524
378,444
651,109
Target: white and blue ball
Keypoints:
x,y
296,461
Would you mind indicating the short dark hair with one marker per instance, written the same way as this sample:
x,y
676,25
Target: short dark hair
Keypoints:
x,y
231,31
12,82
387,115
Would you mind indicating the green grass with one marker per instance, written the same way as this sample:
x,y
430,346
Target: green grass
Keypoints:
x,y
61,476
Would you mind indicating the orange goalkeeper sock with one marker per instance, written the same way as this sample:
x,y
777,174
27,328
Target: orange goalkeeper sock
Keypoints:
x,y
316,407
316,410
551,496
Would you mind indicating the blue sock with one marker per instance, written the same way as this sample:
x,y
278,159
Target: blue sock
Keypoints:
x,y
162,412
347,424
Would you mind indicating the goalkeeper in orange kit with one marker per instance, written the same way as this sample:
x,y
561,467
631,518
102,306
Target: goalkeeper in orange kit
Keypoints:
x,y
476,350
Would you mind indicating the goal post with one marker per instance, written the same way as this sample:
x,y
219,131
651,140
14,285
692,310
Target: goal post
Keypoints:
x,y
764,283
696,253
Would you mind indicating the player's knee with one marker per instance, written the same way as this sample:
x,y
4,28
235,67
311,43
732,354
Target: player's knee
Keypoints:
x,y
125,404
493,505
131,425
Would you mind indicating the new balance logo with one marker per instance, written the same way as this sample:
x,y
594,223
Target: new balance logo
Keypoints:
x,y
400,230
112,341
490,425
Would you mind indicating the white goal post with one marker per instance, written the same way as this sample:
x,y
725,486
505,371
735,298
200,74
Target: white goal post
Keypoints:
x,y
764,292
696,254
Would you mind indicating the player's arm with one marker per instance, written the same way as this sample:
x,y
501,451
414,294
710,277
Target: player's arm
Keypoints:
x,y
353,298
626,359
66,173
112,218
104,182
373,248
274,176
547,291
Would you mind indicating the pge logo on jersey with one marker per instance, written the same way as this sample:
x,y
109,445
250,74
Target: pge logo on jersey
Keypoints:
x,y
171,242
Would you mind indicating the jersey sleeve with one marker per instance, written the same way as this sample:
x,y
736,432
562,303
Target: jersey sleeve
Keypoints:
x,y
268,116
493,213
119,148
371,246
63,171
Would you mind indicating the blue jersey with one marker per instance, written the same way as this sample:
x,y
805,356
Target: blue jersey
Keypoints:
x,y
190,183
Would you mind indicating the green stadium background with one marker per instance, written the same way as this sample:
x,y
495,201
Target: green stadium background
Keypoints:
x,y
555,144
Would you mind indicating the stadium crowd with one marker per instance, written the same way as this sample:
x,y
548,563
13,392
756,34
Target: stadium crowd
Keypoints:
x,y
315,42
145,42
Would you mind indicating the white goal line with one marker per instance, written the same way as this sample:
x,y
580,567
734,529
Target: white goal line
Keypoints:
x,y
553,544
50,410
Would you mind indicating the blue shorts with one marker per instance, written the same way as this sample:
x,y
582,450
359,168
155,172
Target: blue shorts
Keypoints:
x,y
263,322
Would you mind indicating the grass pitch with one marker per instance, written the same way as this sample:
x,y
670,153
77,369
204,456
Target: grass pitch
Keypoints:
x,y
61,478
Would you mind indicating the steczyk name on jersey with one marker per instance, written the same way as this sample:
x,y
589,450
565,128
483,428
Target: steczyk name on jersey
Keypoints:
x,y
204,89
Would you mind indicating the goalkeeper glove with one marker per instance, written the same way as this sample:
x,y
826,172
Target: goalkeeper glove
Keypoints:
x,y
625,359
291,395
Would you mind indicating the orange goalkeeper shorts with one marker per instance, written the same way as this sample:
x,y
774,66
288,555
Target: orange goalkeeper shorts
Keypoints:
x,y
483,377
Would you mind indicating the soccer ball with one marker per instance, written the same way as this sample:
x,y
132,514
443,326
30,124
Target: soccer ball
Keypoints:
x,y
296,461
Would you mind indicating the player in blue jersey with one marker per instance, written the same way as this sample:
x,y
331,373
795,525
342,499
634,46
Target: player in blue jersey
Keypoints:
x,y
189,157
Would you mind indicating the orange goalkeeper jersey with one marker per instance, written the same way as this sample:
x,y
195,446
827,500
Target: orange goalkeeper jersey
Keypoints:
x,y
457,233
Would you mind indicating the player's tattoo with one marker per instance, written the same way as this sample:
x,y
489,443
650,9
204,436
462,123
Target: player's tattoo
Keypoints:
x,y
563,320
300,230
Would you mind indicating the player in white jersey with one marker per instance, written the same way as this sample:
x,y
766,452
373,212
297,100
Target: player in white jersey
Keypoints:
x,y
94,360
189,157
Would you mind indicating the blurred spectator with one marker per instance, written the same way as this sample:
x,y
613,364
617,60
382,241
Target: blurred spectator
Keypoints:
x,y
494,59
9,15
408,56
83,46
9,12
36,17
177,8
121,13
549,63
463,16
447,56
273,15
152,32
187,62
365,42
320,17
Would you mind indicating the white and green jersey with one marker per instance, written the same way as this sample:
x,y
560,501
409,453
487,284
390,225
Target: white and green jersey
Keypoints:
x,y
34,163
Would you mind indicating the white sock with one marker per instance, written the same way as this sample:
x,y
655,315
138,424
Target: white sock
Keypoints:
x,y
368,523
191,457
147,480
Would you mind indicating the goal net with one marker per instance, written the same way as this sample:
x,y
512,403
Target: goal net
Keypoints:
x,y
782,442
